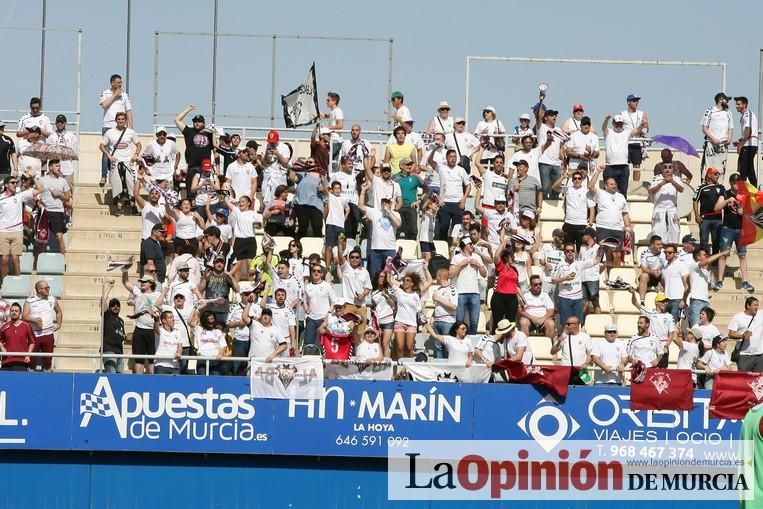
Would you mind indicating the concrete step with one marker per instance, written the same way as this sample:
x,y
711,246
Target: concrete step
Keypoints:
x,y
81,365
88,194
104,241
84,315
93,263
100,218
78,333
91,287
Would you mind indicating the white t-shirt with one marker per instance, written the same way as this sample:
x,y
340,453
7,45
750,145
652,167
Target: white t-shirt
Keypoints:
x,y
644,348
349,185
404,113
150,215
384,189
184,288
465,144
467,280
11,211
715,360
572,289
356,150
272,177
125,148
427,223
661,325
687,357
458,349
491,349
532,157
610,354
672,279
164,159
209,342
443,126
337,208
494,220
748,119
122,104
241,333
741,322
319,298
384,312
45,309
283,319
493,187
617,146
383,231
440,314
264,340
519,340
581,346
487,129
365,351
537,305
42,121
718,122
666,199
653,261
354,281
708,332
167,343
408,305
144,302
699,281
576,204
67,139
335,116
243,222
452,181
240,176
612,206
578,143
588,254
551,154
632,120
183,330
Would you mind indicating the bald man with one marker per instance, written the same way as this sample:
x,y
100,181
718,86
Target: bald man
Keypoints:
x,y
679,168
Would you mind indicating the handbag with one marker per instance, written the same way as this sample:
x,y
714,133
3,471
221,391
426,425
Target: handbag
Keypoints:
x,y
463,161
500,142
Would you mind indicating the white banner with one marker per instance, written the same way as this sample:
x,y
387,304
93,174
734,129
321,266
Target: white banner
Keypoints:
x,y
357,370
300,106
425,372
287,379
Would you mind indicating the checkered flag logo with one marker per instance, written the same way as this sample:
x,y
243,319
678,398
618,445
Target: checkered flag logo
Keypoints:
x,y
91,404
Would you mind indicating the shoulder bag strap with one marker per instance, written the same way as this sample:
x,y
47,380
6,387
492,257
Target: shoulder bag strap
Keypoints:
x,y
187,331
118,140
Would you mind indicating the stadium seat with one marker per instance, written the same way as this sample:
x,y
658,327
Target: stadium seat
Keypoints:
x,y
27,263
51,263
621,303
604,300
442,248
469,204
547,228
541,347
553,210
641,232
19,287
282,244
420,342
56,284
641,212
594,324
312,245
410,248
482,323
626,326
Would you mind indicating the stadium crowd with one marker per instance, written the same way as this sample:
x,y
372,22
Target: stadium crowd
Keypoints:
x,y
429,234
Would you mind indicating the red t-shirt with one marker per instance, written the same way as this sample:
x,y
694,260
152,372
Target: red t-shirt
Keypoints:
x,y
16,338
336,347
506,278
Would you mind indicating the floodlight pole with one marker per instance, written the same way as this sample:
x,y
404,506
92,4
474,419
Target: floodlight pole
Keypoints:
x,y
42,46
214,63
127,56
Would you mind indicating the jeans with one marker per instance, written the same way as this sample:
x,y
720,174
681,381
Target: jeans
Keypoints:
x,y
708,228
377,259
410,223
105,163
469,303
440,351
215,368
549,173
692,312
164,370
311,330
240,349
674,310
112,365
621,173
450,215
568,308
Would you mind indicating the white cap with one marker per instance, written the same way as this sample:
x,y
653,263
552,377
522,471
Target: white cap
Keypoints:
x,y
160,129
488,108
443,104
618,119
524,116
324,130
528,213
458,120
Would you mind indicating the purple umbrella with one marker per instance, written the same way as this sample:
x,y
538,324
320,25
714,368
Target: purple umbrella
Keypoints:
x,y
676,142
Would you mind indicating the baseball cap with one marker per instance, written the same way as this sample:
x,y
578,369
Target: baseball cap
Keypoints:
x,y
660,297
718,339
222,212
524,116
504,326
712,171
443,105
145,278
721,95
691,239
633,97
406,161
198,118
252,144
206,164
578,107
2,125
245,287
618,119
158,227
521,161
550,113
340,302
183,266
488,108
610,327
459,120
272,137
529,214
396,95
696,331
60,118
324,130
160,129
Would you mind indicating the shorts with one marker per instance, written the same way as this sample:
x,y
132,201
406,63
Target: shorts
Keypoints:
x,y
143,343
635,156
427,247
603,233
56,222
332,234
245,249
591,291
404,327
537,329
11,243
387,326
654,282
731,236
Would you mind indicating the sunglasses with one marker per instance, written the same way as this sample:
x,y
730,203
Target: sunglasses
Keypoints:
x,y
577,178
609,332
571,323
355,257
536,284
569,250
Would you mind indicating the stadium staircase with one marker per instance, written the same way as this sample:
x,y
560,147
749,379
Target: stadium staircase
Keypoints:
x,y
96,235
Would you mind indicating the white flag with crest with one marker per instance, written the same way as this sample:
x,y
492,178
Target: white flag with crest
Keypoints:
x,y
300,106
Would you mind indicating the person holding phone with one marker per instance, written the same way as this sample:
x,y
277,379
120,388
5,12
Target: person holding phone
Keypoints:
x,y
567,276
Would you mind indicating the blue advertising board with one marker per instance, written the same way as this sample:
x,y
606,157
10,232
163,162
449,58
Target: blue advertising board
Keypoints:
x,y
217,415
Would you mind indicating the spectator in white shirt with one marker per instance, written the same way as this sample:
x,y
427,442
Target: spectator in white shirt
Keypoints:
x,y
67,139
164,154
113,101
445,300
567,276
579,209
169,343
11,224
714,360
319,298
356,284
575,345
616,142
407,293
688,350
718,129
241,175
121,146
699,281
747,327
464,269
459,347
442,122
651,264
455,187
583,147
612,218
675,282
537,312
590,279
663,192
643,346
384,225
611,356
747,144
401,114
335,117
485,131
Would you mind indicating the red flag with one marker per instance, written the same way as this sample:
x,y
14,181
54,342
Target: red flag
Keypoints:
x,y
734,393
663,389
554,378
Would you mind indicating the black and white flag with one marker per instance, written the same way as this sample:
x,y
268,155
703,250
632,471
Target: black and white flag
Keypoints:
x,y
300,106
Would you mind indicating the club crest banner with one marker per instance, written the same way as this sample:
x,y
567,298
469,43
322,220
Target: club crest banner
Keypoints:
x,y
287,379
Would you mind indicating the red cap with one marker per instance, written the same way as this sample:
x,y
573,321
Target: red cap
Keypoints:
x,y
272,137
711,171
578,107
206,165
